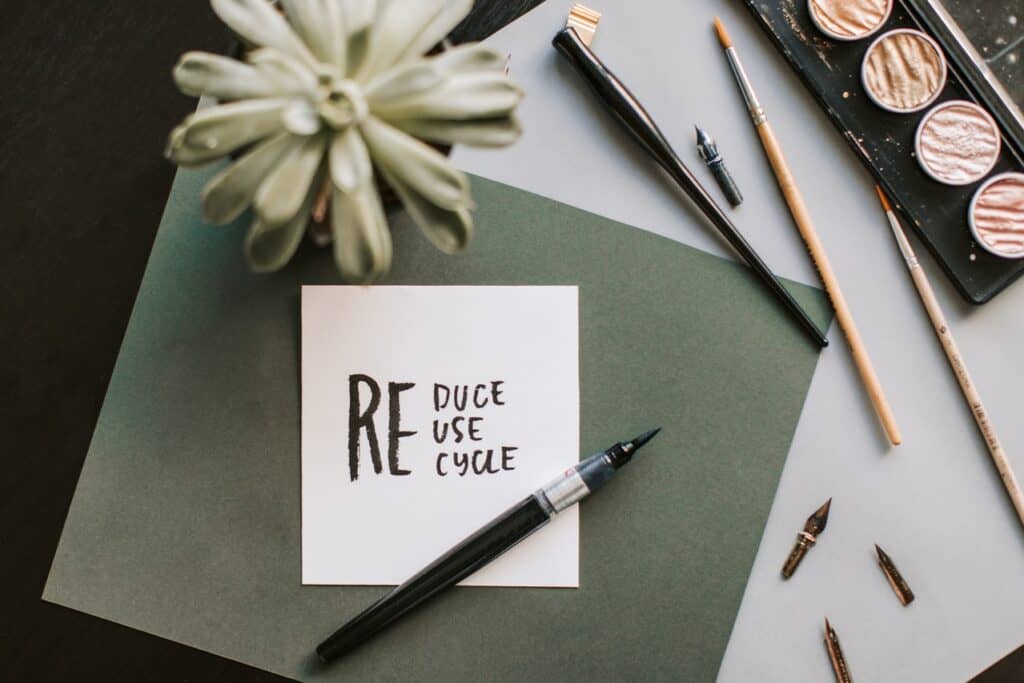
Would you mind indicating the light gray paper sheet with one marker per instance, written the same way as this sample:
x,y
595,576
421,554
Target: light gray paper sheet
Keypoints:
x,y
936,503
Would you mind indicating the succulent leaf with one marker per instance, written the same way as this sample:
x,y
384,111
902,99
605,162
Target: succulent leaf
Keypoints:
x,y
301,119
212,133
496,132
282,192
397,27
231,192
290,74
268,248
409,80
362,240
359,17
405,81
321,25
335,97
202,73
419,166
469,58
451,14
449,230
460,97
349,161
260,24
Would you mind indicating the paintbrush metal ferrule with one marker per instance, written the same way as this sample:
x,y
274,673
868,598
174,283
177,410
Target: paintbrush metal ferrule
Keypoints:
x,y
896,580
902,242
835,655
757,112
806,539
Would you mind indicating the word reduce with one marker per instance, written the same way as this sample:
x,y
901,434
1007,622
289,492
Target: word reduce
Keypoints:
x,y
460,428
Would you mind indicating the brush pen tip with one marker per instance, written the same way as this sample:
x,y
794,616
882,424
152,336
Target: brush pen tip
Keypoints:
x,y
644,438
884,199
723,35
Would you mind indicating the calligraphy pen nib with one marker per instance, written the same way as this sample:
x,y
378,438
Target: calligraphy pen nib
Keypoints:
x,y
820,516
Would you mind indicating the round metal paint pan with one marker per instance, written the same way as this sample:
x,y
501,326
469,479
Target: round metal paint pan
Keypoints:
x,y
904,71
996,215
957,143
849,20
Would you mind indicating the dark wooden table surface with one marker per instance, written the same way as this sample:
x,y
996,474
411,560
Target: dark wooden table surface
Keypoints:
x,y
86,105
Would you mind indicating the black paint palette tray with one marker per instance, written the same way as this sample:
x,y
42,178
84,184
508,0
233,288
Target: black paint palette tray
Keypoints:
x,y
885,141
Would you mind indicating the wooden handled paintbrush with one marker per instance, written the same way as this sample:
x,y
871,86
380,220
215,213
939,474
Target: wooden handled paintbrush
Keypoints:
x,y
804,224
956,361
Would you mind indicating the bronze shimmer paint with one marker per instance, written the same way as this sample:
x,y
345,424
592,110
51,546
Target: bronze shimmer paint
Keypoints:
x,y
997,215
904,71
849,19
958,143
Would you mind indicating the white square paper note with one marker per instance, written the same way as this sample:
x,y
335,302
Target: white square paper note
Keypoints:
x,y
426,411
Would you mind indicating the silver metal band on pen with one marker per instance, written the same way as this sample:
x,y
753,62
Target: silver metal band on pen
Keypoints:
x,y
563,492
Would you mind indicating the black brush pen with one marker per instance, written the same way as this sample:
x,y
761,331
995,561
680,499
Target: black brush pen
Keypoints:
x,y
490,541
631,114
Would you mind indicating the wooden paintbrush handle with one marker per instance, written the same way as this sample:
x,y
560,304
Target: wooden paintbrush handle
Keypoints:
x,y
806,227
988,432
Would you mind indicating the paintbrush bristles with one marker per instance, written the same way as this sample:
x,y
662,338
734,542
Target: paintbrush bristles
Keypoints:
x,y
885,200
723,35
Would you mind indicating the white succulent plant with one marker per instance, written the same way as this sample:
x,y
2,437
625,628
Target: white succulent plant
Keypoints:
x,y
330,91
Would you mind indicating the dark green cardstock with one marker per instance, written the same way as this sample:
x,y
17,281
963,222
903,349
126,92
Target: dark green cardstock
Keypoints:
x,y
186,520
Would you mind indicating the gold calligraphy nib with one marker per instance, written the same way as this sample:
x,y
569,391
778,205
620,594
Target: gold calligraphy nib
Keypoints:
x,y
835,655
896,580
806,538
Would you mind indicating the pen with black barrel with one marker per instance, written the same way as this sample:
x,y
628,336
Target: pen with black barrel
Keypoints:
x,y
632,115
479,549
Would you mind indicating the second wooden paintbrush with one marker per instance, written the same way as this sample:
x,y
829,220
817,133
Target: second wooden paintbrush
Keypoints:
x,y
803,223
956,361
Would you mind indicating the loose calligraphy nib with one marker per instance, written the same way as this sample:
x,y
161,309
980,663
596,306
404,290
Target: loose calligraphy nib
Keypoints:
x,y
896,580
835,655
819,518
806,539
